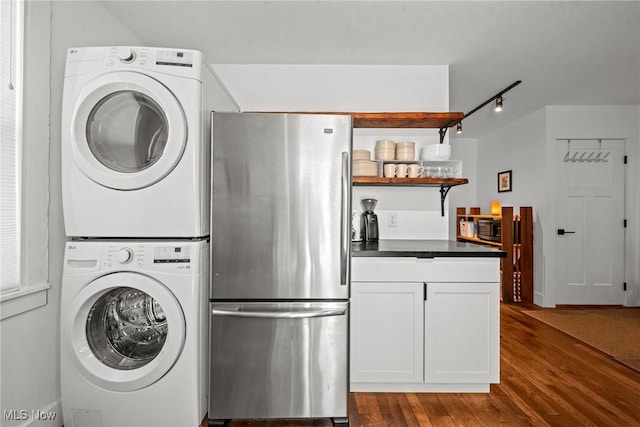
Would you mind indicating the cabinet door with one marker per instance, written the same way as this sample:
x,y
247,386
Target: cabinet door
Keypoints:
x,y
462,333
387,332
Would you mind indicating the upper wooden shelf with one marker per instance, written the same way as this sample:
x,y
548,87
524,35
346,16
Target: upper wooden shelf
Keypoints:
x,y
396,119
406,120
427,182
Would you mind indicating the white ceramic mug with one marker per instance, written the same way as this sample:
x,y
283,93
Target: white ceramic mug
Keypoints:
x,y
403,170
390,170
415,171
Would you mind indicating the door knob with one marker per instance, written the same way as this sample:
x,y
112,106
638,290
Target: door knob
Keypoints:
x,y
562,232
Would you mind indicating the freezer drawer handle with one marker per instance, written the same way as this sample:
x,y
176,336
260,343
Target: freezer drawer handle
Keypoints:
x,y
281,314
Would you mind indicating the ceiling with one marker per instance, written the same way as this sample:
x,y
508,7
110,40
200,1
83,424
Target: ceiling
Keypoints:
x,y
565,52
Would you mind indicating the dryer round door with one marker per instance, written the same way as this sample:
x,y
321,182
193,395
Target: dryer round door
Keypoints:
x,y
128,130
125,331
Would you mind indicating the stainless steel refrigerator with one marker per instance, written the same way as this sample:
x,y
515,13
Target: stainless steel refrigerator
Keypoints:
x,y
280,266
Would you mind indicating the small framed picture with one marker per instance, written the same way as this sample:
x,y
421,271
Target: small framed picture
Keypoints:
x,y
504,181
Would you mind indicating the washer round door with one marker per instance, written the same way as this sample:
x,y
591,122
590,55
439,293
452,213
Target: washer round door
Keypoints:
x,y
128,130
125,331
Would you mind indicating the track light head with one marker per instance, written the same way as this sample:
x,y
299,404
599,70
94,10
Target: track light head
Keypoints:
x,y
459,127
498,104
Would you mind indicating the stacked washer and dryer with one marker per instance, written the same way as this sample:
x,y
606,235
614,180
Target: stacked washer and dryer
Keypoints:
x,y
136,202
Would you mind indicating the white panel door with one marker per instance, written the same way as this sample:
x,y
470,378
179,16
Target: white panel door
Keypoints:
x,y
589,217
386,332
462,333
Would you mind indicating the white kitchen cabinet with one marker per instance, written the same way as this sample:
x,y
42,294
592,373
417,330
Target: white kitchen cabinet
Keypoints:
x,y
425,325
462,335
387,332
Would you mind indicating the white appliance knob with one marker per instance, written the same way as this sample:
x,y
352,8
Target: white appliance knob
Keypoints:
x,y
126,55
124,256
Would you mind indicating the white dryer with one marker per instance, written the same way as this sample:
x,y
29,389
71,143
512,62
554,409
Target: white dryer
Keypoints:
x,y
133,333
136,141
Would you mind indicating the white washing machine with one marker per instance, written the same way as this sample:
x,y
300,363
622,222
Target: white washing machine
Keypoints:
x,y
134,333
136,141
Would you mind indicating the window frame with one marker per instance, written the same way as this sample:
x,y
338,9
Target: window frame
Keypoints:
x,y
33,286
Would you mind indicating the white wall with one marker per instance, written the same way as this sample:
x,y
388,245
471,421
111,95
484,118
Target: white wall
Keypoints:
x,y
294,87
322,87
30,341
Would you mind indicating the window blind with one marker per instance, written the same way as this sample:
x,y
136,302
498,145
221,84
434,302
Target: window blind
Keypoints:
x,y
11,18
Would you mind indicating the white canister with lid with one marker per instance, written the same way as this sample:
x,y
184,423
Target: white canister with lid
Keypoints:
x,y
356,235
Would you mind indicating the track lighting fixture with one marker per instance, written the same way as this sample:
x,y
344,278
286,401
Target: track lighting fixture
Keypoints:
x,y
497,97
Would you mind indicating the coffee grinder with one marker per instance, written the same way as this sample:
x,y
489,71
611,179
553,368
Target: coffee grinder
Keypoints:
x,y
369,221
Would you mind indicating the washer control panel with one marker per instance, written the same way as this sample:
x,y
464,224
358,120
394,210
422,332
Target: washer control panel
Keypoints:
x,y
131,256
170,257
171,254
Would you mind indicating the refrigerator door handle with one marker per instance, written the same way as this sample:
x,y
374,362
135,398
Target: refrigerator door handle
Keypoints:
x,y
275,314
345,219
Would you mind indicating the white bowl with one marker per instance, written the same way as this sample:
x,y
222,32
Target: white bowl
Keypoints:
x,y
436,152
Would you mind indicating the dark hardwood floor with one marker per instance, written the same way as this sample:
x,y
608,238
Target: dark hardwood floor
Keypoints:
x,y
546,379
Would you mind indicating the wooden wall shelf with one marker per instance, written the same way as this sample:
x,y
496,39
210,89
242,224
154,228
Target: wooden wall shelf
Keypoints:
x,y
406,120
399,182
416,120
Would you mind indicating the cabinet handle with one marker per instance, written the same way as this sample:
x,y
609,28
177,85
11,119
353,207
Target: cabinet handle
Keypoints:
x,y
425,290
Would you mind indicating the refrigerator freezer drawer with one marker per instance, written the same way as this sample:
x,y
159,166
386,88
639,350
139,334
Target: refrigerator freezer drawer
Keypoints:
x,y
278,360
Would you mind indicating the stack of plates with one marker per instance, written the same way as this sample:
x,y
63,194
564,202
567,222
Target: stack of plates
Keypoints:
x,y
361,155
405,150
385,149
365,168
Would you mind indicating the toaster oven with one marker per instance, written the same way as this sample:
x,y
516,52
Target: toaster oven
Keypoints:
x,y
489,229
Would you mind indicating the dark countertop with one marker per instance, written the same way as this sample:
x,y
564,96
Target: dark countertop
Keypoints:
x,y
424,249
